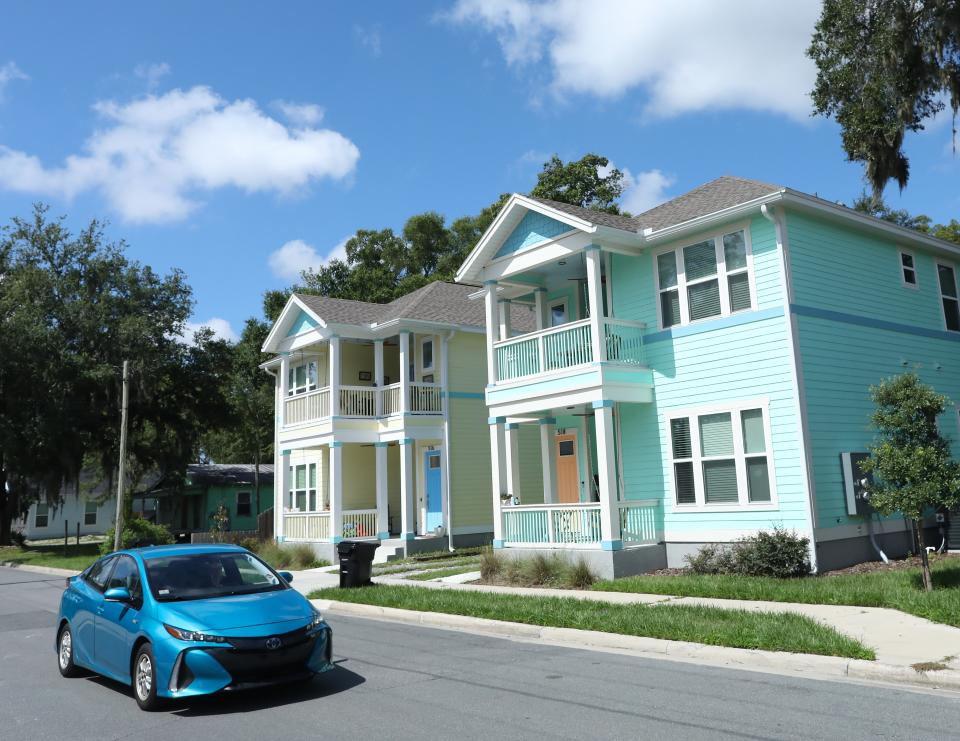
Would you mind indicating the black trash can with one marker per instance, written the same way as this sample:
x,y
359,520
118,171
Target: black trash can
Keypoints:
x,y
356,562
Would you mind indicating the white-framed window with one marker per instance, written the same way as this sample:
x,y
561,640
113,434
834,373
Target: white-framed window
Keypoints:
x,y
908,269
243,504
721,457
426,354
302,378
709,278
90,510
949,298
41,517
559,313
303,496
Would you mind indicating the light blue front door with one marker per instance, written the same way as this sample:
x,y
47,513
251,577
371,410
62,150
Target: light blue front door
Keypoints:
x,y
431,476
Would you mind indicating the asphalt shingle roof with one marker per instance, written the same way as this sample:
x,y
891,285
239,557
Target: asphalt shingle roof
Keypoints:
x,y
708,198
241,474
446,303
600,218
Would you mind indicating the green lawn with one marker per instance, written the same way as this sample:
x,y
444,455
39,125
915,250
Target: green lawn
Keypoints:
x,y
714,626
896,588
440,573
78,556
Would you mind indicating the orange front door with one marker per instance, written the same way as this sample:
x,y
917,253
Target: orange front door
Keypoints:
x,y
568,473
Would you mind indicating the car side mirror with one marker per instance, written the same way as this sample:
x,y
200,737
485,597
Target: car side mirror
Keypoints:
x,y
286,576
117,594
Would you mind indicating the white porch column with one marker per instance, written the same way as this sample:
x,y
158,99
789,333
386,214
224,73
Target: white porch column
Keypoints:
x,y
280,497
378,375
405,357
505,328
334,376
607,475
548,456
595,292
383,518
336,472
512,458
541,308
408,494
493,327
497,476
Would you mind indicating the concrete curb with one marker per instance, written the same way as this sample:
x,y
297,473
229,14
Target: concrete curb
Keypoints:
x,y
38,569
773,662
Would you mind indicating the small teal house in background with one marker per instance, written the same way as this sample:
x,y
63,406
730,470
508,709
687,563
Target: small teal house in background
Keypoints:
x,y
701,371
190,508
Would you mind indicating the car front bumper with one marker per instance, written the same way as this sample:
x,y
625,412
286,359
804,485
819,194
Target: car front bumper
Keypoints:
x,y
250,662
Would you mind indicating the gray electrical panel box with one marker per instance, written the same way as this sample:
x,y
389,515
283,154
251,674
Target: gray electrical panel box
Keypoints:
x,y
854,483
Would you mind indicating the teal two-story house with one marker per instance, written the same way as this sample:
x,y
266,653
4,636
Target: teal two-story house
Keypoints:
x,y
698,372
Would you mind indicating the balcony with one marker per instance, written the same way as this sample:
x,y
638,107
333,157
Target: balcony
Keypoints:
x,y
364,402
577,525
568,346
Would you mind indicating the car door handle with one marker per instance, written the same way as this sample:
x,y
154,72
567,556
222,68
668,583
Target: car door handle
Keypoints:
x,y
100,610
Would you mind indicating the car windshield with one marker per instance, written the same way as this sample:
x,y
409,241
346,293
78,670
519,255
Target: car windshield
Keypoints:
x,y
205,575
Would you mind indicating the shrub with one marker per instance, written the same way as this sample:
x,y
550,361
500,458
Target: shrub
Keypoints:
x,y
299,556
538,570
779,553
579,575
491,564
137,531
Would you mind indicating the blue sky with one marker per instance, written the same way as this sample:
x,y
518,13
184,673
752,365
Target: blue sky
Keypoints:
x,y
240,141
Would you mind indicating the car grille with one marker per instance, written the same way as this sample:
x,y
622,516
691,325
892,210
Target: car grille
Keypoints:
x,y
250,660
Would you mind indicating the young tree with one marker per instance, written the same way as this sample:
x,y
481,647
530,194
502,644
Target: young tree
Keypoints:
x,y
910,462
884,67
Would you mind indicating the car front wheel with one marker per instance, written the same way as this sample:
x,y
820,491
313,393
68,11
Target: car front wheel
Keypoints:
x,y
65,653
145,679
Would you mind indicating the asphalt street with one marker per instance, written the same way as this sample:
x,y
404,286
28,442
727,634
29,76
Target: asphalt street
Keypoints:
x,y
403,682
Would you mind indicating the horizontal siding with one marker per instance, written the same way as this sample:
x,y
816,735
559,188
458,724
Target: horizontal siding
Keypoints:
x,y
531,469
467,363
359,477
471,487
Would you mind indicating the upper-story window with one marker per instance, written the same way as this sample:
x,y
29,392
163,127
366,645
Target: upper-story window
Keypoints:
x,y
908,268
947,276
707,279
302,378
426,355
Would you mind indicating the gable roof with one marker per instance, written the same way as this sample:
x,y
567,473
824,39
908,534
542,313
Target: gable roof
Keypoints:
x,y
600,218
723,192
438,302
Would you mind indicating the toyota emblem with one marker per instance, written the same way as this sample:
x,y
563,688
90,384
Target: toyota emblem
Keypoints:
x,y
274,643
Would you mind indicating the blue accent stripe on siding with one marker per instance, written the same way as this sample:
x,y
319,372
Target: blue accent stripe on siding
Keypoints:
x,y
464,395
728,321
865,321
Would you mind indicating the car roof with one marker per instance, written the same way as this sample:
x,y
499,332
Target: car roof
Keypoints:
x,y
183,549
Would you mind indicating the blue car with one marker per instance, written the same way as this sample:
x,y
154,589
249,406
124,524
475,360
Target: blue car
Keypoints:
x,y
188,620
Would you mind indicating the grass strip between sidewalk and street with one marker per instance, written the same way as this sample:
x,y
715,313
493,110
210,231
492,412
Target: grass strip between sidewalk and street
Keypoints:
x,y
714,626
77,559
899,589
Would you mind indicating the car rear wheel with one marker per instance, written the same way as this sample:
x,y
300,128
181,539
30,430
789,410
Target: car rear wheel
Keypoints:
x,y
145,679
65,653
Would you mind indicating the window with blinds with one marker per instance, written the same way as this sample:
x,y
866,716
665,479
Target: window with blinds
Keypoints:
x,y
721,458
303,496
947,277
710,278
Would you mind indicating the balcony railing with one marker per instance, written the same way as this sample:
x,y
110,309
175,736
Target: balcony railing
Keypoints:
x,y
567,346
426,398
639,523
358,401
391,398
307,407
306,525
361,401
359,523
552,525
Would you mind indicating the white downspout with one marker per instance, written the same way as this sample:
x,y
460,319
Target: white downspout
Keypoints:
x,y
277,468
444,370
775,217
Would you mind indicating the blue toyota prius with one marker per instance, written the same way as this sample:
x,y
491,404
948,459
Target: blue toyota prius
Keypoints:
x,y
187,620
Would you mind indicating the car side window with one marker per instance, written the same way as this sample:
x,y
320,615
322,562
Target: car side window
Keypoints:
x,y
126,574
97,574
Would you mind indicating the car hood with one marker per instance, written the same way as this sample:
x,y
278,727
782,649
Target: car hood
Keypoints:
x,y
237,611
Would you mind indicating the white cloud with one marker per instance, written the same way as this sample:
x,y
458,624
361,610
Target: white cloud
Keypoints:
x,y
155,154
222,329
688,55
369,38
296,256
8,73
300,114
644,190
152,73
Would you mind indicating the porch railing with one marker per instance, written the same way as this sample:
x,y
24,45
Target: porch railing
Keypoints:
x,y
306,525
359,523
426,398
358,401
307,407
391,398
551,349
552,525
639,522
624,341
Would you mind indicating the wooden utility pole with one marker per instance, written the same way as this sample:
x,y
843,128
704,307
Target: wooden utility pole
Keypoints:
x,y
118,523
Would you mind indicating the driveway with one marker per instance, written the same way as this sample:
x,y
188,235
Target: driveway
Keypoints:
x,y
403,682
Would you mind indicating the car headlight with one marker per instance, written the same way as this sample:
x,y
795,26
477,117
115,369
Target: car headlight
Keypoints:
x,y
193,635
316,621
